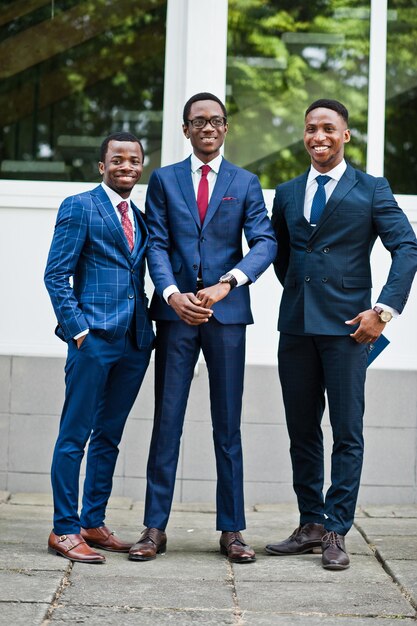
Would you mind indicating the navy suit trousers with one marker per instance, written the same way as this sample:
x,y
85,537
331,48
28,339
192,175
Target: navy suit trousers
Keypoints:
x,y
102,381
177,348
309,366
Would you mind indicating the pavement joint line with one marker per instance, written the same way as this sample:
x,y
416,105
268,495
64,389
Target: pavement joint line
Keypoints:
x,y
65,582
230,580
408,597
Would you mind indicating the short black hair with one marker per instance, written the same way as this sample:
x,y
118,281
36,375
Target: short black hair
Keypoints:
x,y
335,105
120,136
204,95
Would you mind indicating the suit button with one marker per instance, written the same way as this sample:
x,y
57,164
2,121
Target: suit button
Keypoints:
x,y
309,249
326,250
324,280
131,296
307,279
202,239
133,271
195,266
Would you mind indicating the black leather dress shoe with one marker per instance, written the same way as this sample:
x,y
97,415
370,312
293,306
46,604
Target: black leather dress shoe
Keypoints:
x,y
306,538
234,547
151,542
334,551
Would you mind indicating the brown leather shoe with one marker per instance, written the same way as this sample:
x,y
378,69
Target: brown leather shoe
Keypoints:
x,y
74,548
105,539
234,547
151,542
306,538
334,551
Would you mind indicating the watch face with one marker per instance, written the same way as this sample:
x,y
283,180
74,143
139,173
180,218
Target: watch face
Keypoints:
x,y
386,316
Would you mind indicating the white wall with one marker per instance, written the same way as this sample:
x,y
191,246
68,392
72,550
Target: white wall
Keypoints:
x,y
27,217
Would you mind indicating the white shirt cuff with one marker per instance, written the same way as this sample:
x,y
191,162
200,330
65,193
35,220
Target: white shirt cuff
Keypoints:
x,y
394,312
168,291
84,332
241,278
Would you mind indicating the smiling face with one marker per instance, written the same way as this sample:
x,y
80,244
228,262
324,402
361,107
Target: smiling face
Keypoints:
x,y
122,167
207,141
325,134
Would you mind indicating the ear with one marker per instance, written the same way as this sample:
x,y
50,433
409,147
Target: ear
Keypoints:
x,y
186,130
346,136
101,167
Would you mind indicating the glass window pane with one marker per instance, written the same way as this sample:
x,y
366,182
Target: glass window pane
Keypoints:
x,y
72,72
400,163
282,55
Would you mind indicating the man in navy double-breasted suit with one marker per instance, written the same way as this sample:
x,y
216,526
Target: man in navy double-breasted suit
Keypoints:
x,y
95,278
326,320
201,301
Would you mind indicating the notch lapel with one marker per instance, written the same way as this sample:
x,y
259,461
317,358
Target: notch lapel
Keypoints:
x,y
107,212
225,176
185,183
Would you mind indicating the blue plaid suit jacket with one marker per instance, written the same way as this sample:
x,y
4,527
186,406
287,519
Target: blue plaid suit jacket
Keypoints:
x,y
178,245
93,279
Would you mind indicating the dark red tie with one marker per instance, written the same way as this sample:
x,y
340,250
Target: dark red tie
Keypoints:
x,y
126,223
203,193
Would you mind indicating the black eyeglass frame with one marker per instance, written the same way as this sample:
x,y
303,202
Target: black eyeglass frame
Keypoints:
x,y
222,119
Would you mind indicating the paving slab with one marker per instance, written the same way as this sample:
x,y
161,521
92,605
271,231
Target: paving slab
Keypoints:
x,y
391,510
405,573
32,499
374,527
401,548
22,614
378,599
28,586
18,556
127,616
139,592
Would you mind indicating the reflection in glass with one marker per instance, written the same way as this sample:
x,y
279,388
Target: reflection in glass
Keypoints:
x,y
400,162
71,72
282,55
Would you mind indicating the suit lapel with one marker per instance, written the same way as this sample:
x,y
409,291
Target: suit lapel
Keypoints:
x,y
107,212
141,238
185,183
342,188
299,195
225,176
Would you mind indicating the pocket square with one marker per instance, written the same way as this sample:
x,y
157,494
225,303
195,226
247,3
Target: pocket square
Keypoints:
x,y
229,198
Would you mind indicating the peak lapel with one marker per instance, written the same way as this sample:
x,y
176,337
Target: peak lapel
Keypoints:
x,y
343,187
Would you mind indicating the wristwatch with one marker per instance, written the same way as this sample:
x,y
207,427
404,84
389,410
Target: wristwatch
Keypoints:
x,y
384,316
228,278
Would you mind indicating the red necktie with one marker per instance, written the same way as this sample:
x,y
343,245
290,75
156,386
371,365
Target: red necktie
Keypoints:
x,y
126,223
203,193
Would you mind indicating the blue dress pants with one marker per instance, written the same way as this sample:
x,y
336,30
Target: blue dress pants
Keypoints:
x,y
102,381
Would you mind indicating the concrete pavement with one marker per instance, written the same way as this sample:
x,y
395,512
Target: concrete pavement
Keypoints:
x,y
194,584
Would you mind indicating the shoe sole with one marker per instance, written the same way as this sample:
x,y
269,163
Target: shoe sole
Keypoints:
x,y
161,550
316,550
64,556
336,567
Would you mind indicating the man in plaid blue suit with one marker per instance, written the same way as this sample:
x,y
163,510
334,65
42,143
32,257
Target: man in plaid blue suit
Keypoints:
x,y
201,301
102,315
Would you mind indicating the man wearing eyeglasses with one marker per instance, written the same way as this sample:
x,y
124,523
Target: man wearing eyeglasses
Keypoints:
x,y
196,215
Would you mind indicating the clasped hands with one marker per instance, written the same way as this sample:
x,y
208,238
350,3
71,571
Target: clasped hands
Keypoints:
x,y
370,326
196,309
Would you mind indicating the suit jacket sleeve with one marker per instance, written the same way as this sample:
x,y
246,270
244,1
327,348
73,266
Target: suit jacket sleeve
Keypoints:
x,y
397,235
258,232
67,245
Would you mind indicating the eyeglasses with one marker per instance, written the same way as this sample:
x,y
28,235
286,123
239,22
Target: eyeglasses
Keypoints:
x,y
200,122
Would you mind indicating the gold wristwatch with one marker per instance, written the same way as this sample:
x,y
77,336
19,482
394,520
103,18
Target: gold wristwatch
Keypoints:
x,y
384,316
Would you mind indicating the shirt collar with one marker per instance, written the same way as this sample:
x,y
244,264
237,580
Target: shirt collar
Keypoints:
x,y
114,197
336,173
214,164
